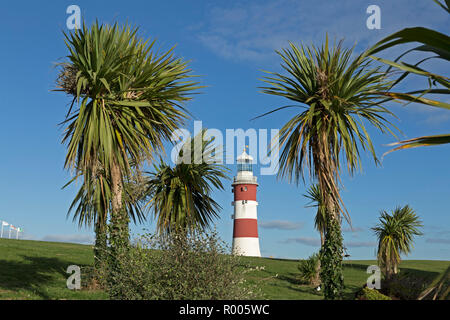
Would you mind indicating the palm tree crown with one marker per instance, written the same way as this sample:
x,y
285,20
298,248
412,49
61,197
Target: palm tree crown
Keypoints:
x,y
128,97
339,96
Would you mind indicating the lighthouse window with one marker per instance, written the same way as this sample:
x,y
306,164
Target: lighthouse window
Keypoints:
x,y
245,167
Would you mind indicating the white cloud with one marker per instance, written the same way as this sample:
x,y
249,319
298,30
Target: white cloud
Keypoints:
x,y
353,230
314,242
438,240
252,30
357,244
281,224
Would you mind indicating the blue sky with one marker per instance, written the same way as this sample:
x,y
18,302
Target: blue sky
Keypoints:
x,y
228,43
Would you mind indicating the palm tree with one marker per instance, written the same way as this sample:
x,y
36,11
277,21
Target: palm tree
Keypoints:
x,y
127,102
431,42
320,220
180,196
395,234
338,95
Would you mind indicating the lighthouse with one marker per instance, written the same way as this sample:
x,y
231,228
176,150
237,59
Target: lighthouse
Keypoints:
x,y
245,230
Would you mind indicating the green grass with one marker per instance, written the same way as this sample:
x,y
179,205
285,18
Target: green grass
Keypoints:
x,y
37,270
279,278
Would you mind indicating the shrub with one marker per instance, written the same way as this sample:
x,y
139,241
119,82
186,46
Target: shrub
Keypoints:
x,y
309,270
178,267
405,286
371,294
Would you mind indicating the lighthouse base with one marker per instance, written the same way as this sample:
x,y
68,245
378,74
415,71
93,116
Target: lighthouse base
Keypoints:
x,y
248,247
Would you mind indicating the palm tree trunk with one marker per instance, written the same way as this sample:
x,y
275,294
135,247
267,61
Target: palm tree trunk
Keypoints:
x,y
100,253
395,271
332,249
100,246
119,232
322,238
322,241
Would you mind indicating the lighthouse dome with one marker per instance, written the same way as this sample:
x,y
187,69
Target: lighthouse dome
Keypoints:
x,y
244,157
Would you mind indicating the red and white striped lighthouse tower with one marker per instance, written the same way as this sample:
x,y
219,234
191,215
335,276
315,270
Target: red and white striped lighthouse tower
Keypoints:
x,y
245,232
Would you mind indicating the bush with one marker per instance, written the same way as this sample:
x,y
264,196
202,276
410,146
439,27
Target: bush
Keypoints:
x,y
186,266
309,270
404,286
371,294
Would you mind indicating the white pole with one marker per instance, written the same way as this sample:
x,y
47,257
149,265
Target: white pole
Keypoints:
x,y
17,234
2,230
9,231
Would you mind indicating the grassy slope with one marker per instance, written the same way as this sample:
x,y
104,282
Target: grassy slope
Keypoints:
x,y
36,270
279,279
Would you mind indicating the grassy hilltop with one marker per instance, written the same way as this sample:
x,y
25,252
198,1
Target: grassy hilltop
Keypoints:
x,y
37,270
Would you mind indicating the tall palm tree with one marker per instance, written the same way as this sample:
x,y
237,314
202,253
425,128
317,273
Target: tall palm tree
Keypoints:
x,y
338,97
127,102
180,196
320,220
395,234
437,45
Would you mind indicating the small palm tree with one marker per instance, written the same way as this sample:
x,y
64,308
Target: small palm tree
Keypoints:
x,y
320,220
338,97
180,196
308,270
395,233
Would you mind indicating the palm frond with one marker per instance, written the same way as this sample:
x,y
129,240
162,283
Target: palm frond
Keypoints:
x,y
431,42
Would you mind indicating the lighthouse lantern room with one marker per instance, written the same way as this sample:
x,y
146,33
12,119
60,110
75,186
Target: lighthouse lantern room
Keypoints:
x,y
245,231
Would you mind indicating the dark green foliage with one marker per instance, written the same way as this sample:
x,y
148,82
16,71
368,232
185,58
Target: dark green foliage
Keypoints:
x,y
101,246
331,262
178,267
404,286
